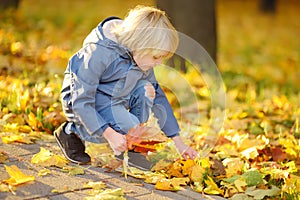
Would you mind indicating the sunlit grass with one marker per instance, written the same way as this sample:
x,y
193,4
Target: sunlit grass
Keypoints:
x,y
264,49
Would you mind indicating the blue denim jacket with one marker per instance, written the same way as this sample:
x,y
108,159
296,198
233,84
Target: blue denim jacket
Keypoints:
x,y
97,76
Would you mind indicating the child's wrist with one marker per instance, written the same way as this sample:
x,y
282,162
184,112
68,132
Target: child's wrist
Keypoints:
x,y
107,132
177,140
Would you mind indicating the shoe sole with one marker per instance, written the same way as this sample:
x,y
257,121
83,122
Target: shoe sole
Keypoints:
x,y
64,152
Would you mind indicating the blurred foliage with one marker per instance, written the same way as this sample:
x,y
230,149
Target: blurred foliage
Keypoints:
x,y
259,49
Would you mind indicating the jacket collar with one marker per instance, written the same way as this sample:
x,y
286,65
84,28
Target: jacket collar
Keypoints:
x,y
122,50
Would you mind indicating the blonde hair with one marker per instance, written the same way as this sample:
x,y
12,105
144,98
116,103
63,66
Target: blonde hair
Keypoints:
x,y
147,30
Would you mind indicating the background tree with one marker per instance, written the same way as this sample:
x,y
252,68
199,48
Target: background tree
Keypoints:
x,y
268,6
5,4
195,18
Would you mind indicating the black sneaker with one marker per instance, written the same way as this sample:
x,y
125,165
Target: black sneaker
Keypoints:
x,y
71,146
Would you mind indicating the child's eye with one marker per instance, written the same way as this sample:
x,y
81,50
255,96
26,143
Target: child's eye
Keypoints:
x,y
156,57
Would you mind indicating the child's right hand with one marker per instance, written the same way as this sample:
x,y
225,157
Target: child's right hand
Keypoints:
x,y
116,140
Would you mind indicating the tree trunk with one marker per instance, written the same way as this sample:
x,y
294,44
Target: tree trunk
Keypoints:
x,y
268,6
6,4
196,19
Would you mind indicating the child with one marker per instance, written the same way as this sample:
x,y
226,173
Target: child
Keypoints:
x,y
110,87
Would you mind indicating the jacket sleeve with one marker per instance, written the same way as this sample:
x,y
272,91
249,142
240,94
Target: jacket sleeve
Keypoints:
x,y
86,69
163,110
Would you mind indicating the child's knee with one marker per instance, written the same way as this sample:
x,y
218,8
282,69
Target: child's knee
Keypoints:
x,y
145,89
140,90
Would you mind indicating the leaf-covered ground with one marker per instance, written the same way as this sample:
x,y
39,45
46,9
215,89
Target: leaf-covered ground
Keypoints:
x,y
254,156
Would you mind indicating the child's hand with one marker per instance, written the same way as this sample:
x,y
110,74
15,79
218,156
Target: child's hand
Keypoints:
x,y
150,91
116,140
184,150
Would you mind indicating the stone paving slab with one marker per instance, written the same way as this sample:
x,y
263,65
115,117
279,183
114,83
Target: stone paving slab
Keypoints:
x,y
71,187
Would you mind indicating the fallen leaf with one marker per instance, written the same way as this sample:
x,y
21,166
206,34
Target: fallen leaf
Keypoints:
x,y
108,194
175,170
249,153
241,197
33,122
161,164
7,188
46,158
98,185
21,138
261,193
211,187
292,183
218,168
3,157
197,173
44,172
240,185
187,167
198,187
253,178
233,166
16,176
125,163
153,178
77,170
170,184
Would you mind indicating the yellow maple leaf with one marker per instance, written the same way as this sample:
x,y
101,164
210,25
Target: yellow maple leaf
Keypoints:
x,y
160,165
188,166
233,166
102,155
16,176
98,185
175,170
153,178
11,127
193,170
23,99
240,184
250,153
173,184
33,122
204,162
77,170
180,181
5,188
198,187
197,173
292,183
3,157
46,158
117,193
21,138
212,187
44,172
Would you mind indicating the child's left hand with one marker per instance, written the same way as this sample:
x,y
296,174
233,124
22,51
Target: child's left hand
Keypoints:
x,y
184,150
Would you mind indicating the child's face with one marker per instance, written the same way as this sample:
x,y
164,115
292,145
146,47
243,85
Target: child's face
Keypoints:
x,y
147,62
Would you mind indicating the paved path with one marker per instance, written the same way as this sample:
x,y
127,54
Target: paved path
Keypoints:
x,y
71,187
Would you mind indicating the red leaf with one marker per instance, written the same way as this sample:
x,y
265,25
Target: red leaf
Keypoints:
x,y
278,155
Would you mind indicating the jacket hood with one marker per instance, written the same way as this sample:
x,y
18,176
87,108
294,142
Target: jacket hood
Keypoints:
x,y
103,31
103,35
